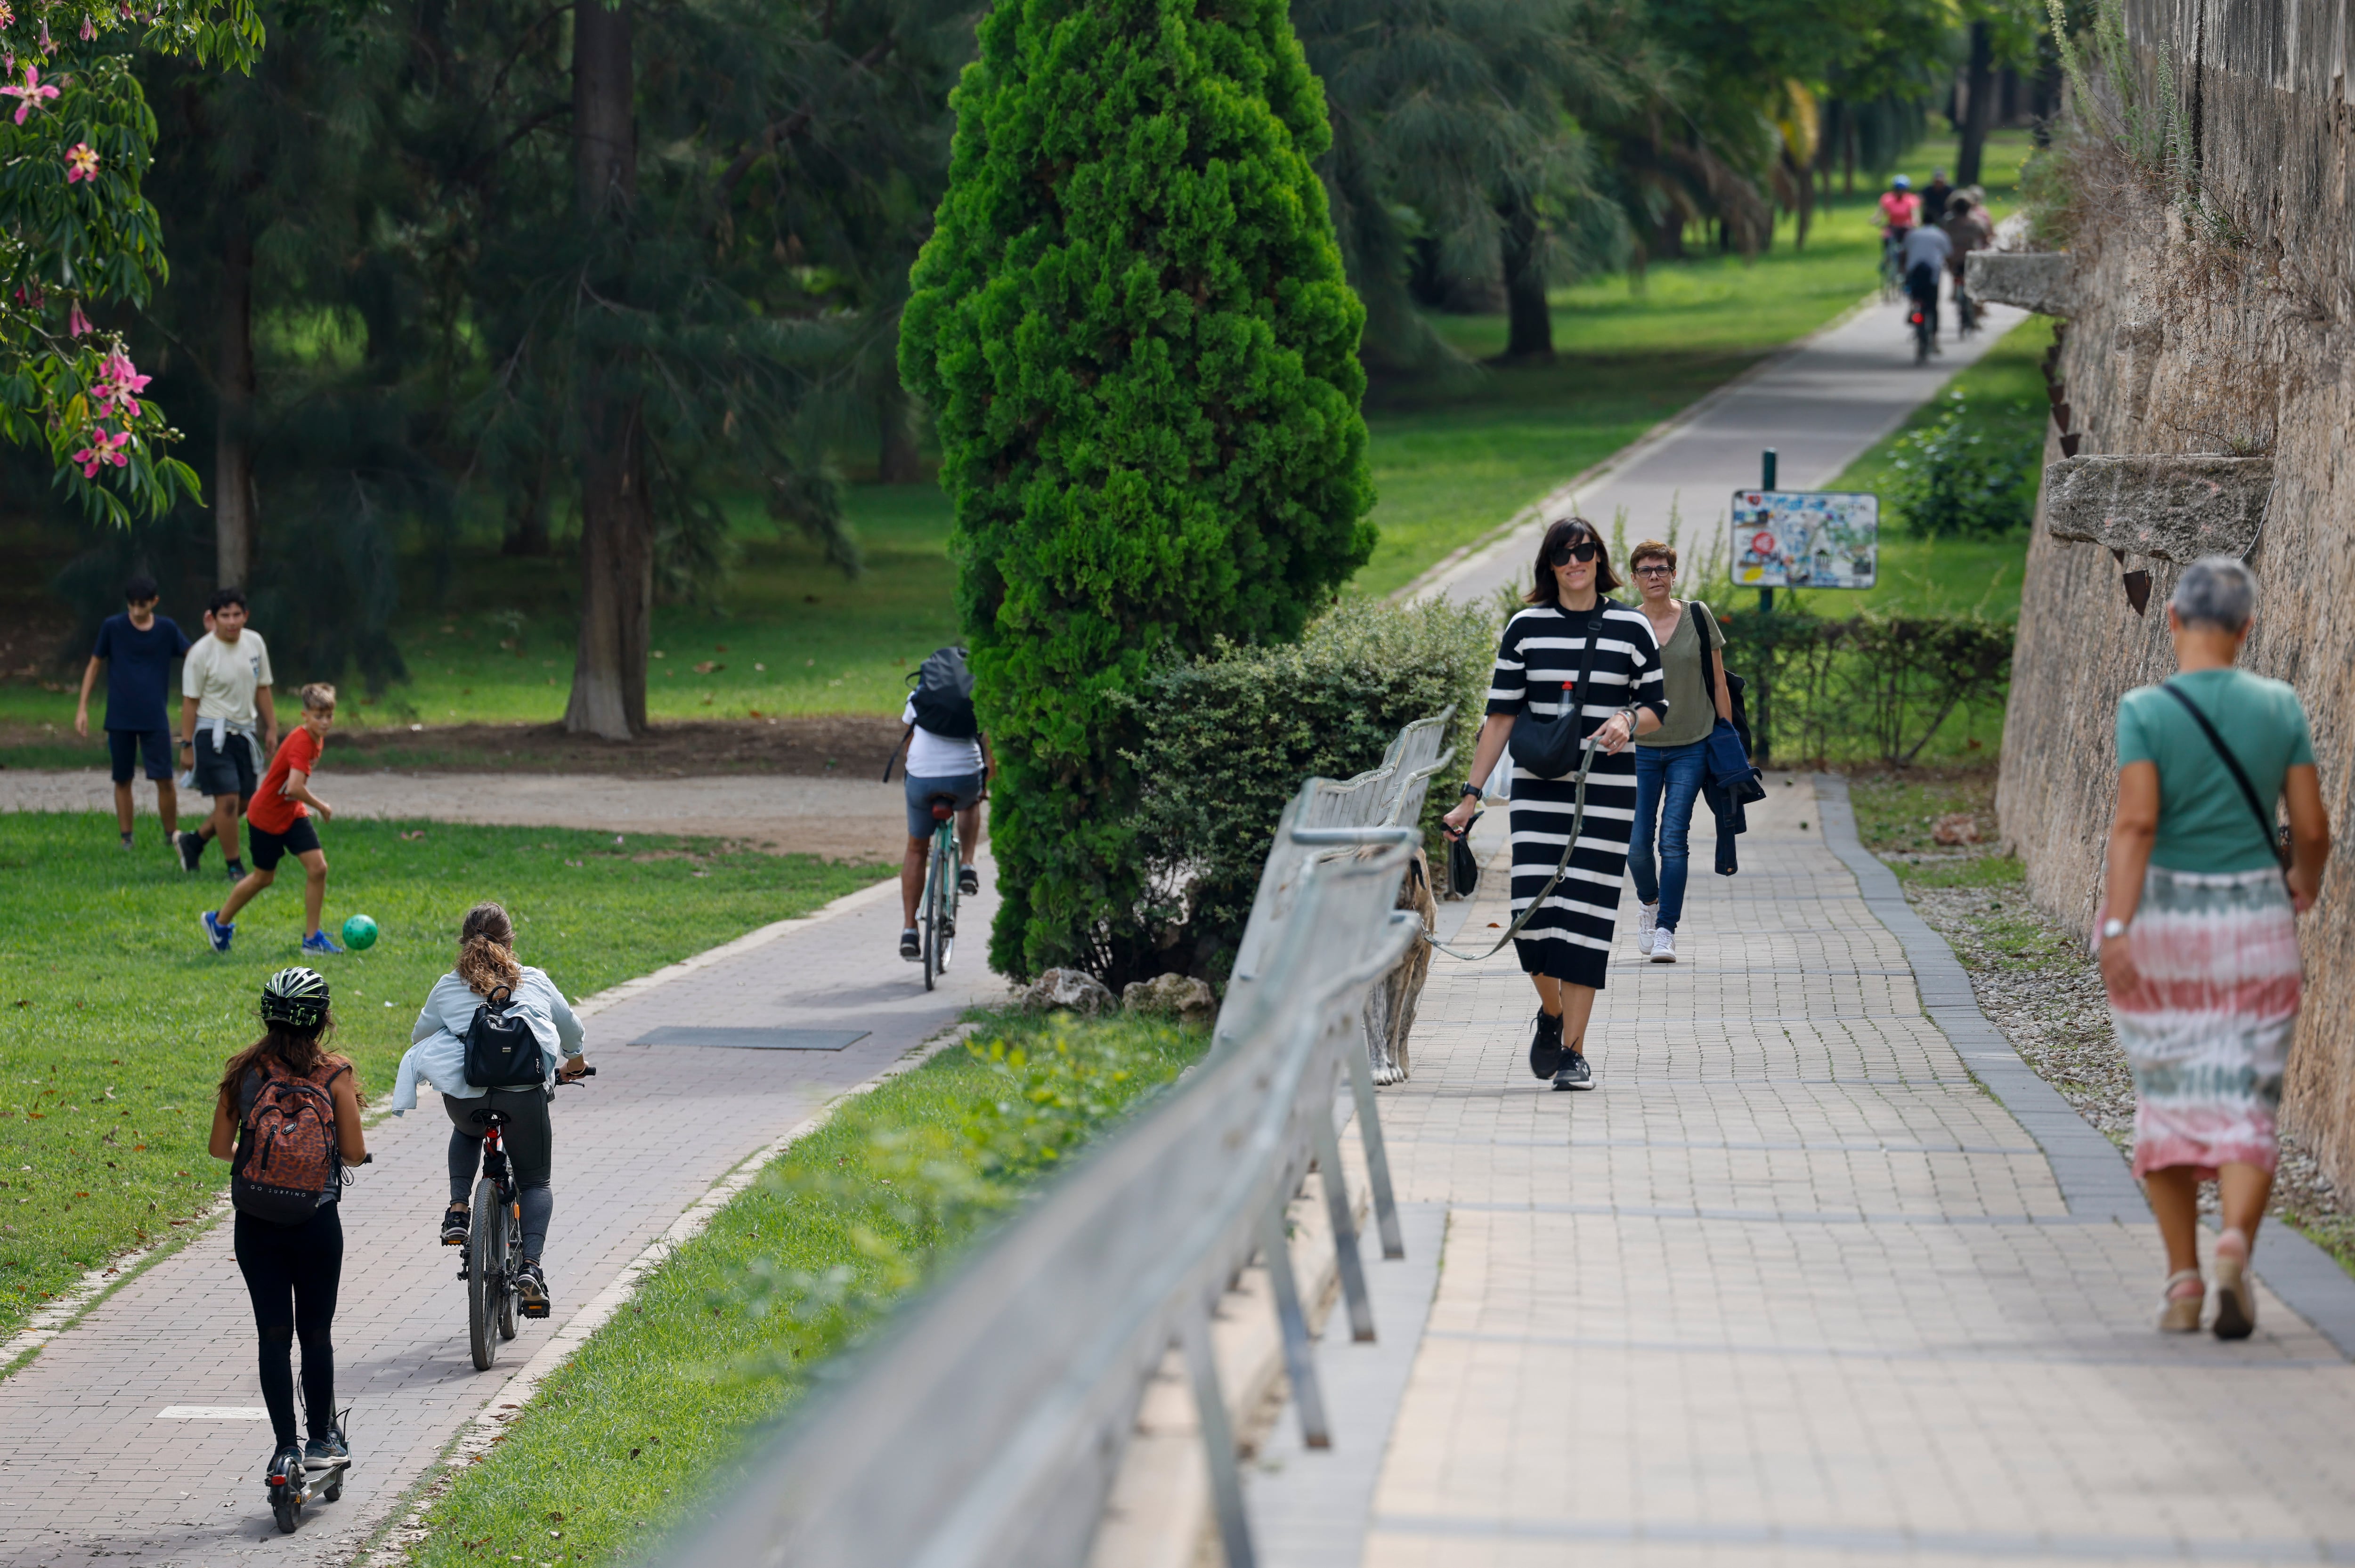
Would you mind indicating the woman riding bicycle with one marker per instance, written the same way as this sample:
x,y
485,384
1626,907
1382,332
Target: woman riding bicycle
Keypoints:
x,y
437,1056
288,1116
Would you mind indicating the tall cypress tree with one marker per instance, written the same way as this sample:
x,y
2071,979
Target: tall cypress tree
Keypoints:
x,y
1131,326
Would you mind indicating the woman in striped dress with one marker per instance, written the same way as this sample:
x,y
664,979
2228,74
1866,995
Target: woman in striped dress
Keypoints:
x,y
2198,931
1566,943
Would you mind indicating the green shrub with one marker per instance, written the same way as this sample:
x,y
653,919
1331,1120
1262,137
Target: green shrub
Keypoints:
x,y
1229,738
1132,327
1971,472
1867,685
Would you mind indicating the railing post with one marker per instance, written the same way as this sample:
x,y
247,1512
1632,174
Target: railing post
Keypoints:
x,y
1218,1440
1344,1226
1299,1359
1378,1156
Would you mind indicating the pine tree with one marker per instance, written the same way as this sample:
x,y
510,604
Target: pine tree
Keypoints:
x,y
1131,326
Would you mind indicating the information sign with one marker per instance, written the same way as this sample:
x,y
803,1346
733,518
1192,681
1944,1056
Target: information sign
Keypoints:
x,y
1805,538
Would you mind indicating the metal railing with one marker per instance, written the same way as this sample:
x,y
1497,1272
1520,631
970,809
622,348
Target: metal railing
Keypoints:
x,y
985,1428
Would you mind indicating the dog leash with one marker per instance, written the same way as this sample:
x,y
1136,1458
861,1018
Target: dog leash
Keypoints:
x,y
1561,869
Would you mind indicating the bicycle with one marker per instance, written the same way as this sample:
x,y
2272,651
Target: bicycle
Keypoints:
x,y
937,913
1892,271
494,1246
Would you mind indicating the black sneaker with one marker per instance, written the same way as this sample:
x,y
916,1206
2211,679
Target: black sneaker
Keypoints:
x,y
326,1452
237,870
1574,1072
126,843
454,1225
191,847
532,1285
1545,1045
910,948
968,881
286,1464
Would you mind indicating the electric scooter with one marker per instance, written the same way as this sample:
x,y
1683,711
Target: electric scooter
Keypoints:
x,y
292,1488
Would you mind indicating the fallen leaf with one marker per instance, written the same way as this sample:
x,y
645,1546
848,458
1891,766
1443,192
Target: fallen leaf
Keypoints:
x,y
707,667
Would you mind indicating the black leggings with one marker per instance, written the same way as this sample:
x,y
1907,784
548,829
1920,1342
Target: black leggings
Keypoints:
x,y
291,1273
530,1154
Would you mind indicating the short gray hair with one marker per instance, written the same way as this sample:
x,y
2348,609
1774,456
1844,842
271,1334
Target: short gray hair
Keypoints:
x,y
2215,590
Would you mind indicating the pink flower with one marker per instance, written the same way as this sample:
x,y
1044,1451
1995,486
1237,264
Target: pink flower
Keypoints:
x,y
7,19
118,384
76,323
81,162
103,448
29,92
88,31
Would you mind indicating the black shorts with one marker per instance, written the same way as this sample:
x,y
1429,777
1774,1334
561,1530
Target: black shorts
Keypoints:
x,y
270,848
228,771
126,744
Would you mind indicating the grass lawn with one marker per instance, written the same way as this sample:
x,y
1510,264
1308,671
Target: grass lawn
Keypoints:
x,y
116,1017
649,1419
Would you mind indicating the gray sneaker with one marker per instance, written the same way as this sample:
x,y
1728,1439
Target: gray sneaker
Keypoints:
x,y
326,1452
1574,1072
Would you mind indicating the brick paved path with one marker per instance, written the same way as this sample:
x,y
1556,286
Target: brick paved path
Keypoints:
x,y
1791,1287
636,1148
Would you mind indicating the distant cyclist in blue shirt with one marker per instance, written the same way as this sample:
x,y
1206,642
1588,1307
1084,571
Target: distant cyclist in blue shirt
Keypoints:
x,y
138,648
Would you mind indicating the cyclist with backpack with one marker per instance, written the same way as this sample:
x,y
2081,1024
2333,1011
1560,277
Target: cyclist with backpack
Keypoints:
x,y
947,754
463,1021
287,1119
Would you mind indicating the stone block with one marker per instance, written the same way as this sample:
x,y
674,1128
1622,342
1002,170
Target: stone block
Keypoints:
x,y
1067,990
2171,508
1182,997
2039,281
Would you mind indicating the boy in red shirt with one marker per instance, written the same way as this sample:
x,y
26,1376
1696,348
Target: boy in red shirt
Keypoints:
x,y
278,824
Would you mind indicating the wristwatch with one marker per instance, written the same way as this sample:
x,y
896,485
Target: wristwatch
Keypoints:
x,y
1469,789
2113,927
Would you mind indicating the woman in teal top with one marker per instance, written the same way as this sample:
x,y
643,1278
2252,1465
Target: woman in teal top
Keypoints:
x,y
2199,940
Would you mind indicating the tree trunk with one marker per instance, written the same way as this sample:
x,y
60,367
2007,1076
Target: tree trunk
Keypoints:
x,y
896,461
1528,336
1979,88
608,671
233,437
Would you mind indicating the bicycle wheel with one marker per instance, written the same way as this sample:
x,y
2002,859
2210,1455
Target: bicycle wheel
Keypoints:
x,y
945,846
510,1298
939,934
486,1280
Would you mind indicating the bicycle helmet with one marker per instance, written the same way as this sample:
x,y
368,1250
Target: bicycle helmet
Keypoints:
x,y
296,998
1901,182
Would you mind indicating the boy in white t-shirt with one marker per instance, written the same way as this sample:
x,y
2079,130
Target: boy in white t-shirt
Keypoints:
x,y
957,766
225,707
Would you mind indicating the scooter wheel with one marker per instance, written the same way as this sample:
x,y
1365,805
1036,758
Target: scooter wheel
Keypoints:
x,y
335,1492
287,1514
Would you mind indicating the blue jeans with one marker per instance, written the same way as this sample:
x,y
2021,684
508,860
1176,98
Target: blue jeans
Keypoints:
x,y
1675,773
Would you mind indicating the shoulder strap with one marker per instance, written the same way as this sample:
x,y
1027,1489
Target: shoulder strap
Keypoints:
x,y
2239,777
1707,656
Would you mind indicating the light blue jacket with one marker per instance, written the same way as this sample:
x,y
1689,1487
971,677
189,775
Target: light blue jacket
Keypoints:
x,y
437,1055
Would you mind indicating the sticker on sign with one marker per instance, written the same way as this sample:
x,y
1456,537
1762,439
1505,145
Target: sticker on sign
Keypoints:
x,y
212,1412
1805,538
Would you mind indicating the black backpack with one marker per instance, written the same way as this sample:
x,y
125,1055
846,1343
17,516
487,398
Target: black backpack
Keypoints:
x,y
942,700
502,1053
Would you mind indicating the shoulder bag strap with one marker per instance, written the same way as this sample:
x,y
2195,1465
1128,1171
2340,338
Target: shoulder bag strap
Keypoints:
x,y
1707,658
2239,777
1578,808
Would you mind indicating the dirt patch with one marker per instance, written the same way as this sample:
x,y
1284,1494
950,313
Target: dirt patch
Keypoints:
x,y
849,746
34,650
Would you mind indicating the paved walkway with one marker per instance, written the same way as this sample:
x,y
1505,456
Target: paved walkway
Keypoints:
x,y
840,818
1791,1286
634,1149
1820,405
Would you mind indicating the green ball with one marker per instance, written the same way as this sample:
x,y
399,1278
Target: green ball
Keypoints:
x,y
360,931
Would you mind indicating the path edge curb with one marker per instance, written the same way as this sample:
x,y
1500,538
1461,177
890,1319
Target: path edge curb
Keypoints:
x,y
2093,1174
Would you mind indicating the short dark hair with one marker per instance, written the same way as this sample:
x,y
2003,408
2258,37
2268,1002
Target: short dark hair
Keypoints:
x,y
1570,531
139,589
225,597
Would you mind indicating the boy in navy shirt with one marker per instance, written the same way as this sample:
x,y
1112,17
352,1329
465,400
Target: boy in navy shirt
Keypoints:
x,y
138,648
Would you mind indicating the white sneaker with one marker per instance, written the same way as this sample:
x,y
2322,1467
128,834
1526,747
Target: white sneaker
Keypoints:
x,y
1647,917
1664,946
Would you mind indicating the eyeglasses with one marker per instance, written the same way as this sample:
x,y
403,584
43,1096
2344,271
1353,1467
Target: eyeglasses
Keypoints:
x,y
1585,550
1654,571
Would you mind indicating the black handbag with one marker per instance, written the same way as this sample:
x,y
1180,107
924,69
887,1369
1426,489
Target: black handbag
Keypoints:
x,y
1463,865
502,1053
1548,747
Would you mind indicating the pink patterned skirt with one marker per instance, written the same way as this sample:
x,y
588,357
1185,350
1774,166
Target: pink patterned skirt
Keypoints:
x,y
2208,1033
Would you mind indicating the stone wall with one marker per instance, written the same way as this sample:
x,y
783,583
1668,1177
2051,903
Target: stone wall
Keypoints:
x,y
2181,342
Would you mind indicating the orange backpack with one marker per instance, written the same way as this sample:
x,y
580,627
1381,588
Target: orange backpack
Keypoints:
x,y
287,1156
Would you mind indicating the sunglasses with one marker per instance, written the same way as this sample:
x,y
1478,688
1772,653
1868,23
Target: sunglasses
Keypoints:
x,y
1585,550
1654,571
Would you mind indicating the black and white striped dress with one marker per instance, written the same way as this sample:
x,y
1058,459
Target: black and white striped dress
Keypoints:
x,y
1570,937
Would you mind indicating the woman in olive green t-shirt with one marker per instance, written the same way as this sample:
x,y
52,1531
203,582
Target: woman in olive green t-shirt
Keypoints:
x,y
1670,766
2198,934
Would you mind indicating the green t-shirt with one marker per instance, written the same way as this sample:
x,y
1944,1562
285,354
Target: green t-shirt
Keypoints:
x,y
2204,821
1692,706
